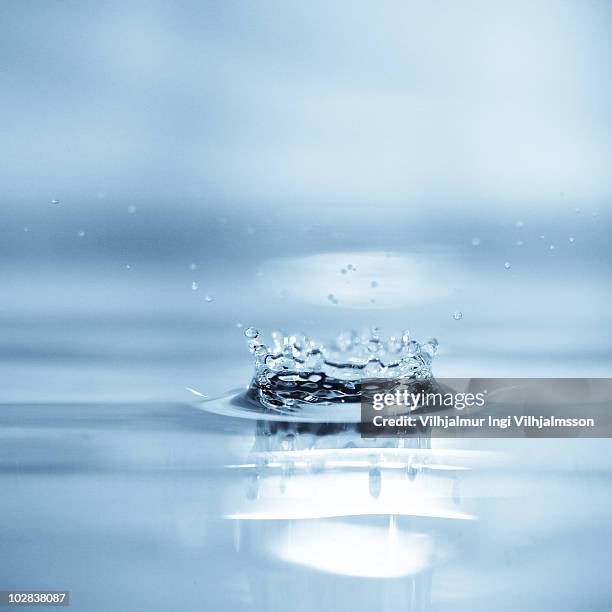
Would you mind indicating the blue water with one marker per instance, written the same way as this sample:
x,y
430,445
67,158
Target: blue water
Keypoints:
x,y
117,486
144,506
172,173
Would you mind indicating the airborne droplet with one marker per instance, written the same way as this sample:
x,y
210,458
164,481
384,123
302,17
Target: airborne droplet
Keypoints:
x,y
251,332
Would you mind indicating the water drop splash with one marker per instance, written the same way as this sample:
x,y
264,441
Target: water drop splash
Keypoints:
x,y
194,286
196,392
296,370
209,298
81,233
572,239
507,265
55,202
457,315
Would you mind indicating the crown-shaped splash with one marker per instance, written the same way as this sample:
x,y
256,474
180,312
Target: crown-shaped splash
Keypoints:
x,y
296,369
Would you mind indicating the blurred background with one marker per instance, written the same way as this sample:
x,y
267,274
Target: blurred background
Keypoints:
x,y
170,171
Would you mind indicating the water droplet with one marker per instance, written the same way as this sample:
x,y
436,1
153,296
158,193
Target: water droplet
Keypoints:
x,y
252,489
55,201
251,332
194,286
507,265
193,266
374,345
571,239
519,243
25,229
552,247
208,298
394,345
81,233
520,224
375,482
577,211
128,267
457,315
131,209
413,347
456,492
593,214
343,271
239,325
374,284
431,345
260,350
475,242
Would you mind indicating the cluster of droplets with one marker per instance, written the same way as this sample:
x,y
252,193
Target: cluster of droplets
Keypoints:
x,y
350,357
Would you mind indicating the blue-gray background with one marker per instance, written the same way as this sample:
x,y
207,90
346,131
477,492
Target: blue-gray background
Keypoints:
x,y
257,149
252,136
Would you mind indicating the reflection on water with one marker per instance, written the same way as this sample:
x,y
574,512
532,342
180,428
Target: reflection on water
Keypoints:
x,y
162,506
115,488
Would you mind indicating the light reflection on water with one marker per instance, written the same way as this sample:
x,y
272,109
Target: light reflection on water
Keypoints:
x,y
130,505
115,487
